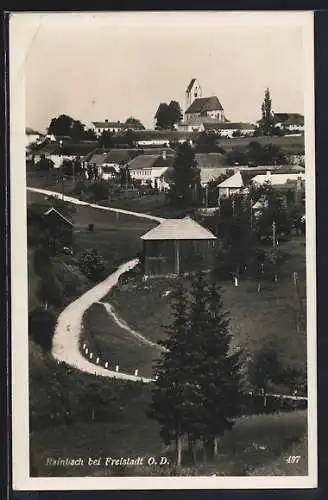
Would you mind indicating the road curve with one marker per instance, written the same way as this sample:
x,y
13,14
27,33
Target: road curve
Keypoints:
x,y
66,339
75,201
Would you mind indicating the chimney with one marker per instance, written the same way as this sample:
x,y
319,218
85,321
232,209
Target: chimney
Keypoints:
x,y
164,155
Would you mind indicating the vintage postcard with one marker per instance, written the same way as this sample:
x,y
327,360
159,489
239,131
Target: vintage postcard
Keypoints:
x,y
162,180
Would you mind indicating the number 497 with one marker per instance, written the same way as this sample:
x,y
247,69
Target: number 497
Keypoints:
x,y
293,459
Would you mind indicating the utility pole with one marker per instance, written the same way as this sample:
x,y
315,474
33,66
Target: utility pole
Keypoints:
x,y
73,168
273,234
251,214
62,179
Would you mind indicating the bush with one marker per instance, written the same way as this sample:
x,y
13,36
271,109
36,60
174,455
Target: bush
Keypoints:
x,y
41,324
92,264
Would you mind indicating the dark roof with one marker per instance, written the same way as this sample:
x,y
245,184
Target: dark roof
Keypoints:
x,y
117,156
31,131
55,211
150,161
166,135
142,161
228,126
289,118
109,124
78,149
204,104
192,81
44,209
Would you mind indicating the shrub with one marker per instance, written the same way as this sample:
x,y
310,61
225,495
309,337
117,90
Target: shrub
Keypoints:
x,y
41,324
92,264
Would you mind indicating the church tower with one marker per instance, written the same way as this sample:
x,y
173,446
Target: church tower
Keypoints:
x,y
194,91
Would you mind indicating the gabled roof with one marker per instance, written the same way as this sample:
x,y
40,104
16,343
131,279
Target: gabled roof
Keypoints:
x,y
31,131
117,156
97,158
204,104
235,181
277,179
142,162
54,210
179,229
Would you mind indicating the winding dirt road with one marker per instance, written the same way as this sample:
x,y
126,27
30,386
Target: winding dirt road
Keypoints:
x,y
66,340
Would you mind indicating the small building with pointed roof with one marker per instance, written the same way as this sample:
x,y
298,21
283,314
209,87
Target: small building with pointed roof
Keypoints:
x,y
177,247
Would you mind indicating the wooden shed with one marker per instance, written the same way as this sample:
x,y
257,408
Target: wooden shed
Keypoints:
x,y
176,247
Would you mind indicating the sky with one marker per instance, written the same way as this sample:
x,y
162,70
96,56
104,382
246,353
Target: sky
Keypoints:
x,y
115,65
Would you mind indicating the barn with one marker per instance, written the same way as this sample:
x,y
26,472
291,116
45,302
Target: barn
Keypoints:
x,y
177,247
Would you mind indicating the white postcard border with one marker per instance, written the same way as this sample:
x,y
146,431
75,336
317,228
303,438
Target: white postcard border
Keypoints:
x,y
23,27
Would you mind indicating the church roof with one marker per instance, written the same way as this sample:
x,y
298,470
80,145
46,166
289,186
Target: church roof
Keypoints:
x,y
179,229
203,104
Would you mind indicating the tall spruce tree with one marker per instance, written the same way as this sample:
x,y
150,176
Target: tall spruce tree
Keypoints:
x,y
221,380
197,390
170,400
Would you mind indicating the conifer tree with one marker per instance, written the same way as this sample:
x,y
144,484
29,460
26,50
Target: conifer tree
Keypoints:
x,y
198,387
221,378
170,399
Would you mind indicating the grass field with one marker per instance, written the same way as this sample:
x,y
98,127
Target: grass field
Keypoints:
x,y
114,344
255,317
288,142
254,442
116,237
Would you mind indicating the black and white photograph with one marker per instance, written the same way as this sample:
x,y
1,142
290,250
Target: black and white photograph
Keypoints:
x,y
162,177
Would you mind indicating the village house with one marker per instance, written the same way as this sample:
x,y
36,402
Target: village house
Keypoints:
x,y
177,247
32,137
230,129
50,220
152,169
162,138
282,178
291,122
233,185
107,126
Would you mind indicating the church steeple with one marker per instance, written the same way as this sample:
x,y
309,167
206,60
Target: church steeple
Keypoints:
x,y
194,91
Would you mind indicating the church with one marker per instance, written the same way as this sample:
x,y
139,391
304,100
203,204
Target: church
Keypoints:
x,y
199,109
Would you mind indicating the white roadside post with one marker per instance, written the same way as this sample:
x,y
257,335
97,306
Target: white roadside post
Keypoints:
x,y
117,368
